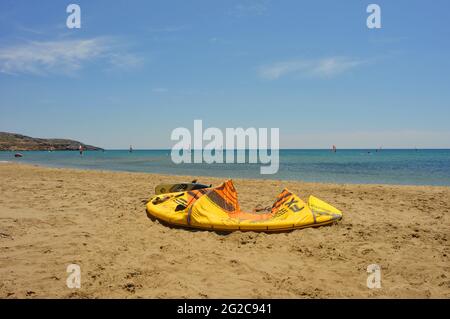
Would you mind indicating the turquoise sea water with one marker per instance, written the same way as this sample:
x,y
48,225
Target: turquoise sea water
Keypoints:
x,y
422,167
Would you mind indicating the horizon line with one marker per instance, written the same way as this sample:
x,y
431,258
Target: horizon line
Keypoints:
x,y
280,149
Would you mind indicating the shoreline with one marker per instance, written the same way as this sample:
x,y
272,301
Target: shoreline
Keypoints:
x,y
53,217
191,177
281,149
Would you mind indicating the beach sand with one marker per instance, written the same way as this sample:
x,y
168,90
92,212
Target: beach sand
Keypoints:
x,y
50,218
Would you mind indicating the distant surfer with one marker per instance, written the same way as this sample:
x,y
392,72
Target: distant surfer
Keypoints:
x,y
131,149
334,149
81,150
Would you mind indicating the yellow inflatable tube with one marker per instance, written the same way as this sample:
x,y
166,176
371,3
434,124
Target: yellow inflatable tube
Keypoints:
x,y
218,209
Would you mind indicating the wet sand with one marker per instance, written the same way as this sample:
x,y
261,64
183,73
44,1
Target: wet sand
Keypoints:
x,y
50,218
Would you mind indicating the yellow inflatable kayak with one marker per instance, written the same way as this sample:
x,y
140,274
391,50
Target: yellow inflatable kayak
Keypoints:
x,y
218,209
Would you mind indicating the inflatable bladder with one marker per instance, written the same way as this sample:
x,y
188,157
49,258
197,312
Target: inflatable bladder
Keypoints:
x,y
218,208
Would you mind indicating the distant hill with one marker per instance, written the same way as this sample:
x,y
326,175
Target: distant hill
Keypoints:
x,y
17,142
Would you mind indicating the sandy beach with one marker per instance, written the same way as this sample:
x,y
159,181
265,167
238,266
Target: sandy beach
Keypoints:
x,y
50,218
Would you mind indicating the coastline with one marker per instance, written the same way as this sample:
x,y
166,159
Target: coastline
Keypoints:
x,y
188,178
52,217
390,167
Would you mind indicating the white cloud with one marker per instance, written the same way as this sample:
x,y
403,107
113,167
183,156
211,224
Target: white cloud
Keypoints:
x,y
333,66
250,8
326,67
61,57
279,69
30,30
125,60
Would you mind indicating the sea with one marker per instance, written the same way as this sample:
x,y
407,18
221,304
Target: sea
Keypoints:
x,y
387,166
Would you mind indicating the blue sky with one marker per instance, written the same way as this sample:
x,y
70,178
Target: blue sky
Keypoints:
x,y
138,69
